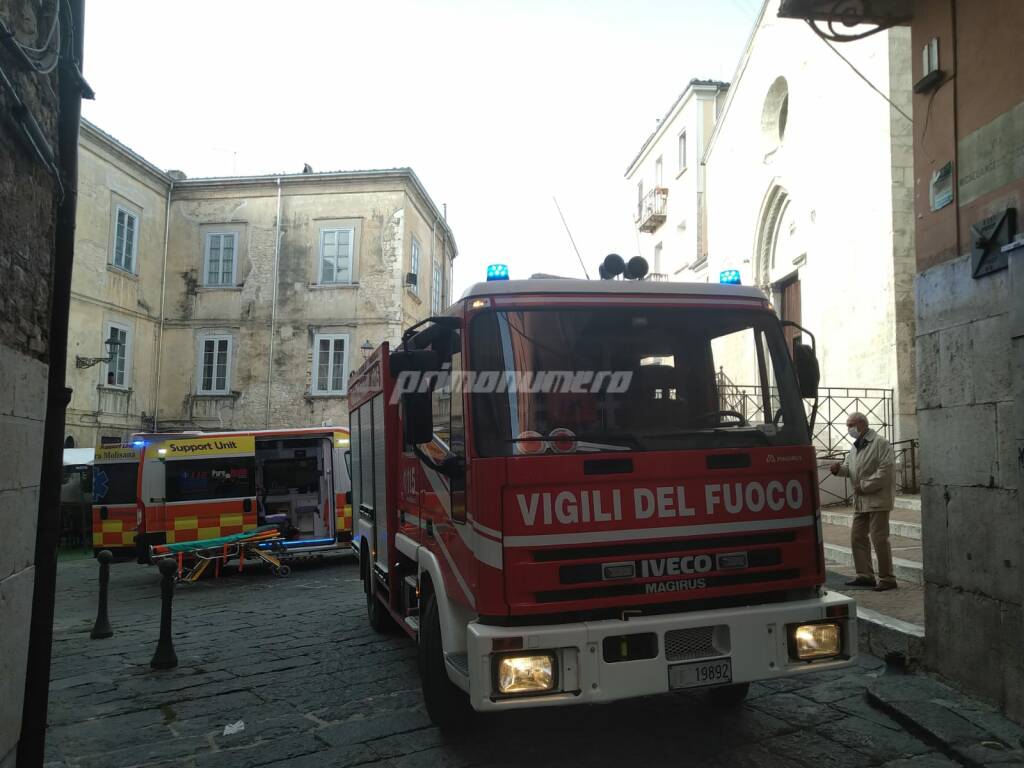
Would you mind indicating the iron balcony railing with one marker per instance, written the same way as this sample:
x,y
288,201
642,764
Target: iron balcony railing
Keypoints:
x,y
652,209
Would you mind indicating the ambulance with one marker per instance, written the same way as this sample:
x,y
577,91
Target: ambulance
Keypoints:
x,y
560,499
200,486
115,473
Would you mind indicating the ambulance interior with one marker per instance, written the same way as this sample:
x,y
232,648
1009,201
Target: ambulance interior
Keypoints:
x,y
294,488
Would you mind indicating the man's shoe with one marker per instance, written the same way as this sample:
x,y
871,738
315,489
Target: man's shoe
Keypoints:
x,y
885,586
861,582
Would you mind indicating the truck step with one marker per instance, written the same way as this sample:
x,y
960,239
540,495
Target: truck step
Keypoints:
x,y
413,622
412,582
459,661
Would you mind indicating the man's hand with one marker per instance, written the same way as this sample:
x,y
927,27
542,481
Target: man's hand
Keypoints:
x,y
834,469
857,491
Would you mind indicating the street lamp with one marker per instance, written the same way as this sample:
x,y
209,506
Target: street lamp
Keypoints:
x,y
112,345
367,348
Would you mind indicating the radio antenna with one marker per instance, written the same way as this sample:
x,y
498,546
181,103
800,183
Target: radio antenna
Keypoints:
x,y
570,236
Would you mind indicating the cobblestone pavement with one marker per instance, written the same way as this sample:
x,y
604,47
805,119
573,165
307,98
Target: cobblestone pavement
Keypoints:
x,y
295,661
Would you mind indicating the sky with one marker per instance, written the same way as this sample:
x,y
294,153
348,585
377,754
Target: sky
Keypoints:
x,y
498,106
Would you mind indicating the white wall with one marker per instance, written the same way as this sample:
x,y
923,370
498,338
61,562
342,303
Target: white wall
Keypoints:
x,y
834,161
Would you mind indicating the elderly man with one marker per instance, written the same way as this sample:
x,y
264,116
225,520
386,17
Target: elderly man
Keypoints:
x,y
870,469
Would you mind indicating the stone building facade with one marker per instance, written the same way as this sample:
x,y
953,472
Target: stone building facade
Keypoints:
x,y
28,208
968,141
247,300
667,183
809,195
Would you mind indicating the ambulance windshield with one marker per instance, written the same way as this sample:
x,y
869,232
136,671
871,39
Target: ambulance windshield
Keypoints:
x,y
630,379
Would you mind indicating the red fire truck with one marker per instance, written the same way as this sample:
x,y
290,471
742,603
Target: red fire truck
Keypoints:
x,y
576,491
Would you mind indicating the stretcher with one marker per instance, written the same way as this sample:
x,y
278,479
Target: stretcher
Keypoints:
x,y
195,557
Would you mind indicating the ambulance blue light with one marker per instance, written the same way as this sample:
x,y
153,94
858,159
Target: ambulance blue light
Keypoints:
x,y
497,272
139,443
729,277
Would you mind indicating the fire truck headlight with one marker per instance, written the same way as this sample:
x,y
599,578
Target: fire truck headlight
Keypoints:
x,y
816,641
535,673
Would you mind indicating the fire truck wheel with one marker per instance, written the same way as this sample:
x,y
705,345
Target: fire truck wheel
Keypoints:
x,y
284,571
380,619
729,695
447,705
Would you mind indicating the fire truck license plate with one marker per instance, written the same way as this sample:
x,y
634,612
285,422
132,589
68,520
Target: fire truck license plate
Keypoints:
x,y
700,673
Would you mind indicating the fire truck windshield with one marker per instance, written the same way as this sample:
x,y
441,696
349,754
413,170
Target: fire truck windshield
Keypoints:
x,y
630,379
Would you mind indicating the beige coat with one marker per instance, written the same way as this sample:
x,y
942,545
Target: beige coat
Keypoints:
x,y
870,469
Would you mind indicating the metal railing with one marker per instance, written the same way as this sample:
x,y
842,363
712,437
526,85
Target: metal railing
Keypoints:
x,y
652,209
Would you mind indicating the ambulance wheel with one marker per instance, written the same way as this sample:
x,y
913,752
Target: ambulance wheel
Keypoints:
x,y
729,695
447,704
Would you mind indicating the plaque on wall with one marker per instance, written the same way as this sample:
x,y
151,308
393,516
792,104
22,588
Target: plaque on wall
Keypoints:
x,y
988,236
942,187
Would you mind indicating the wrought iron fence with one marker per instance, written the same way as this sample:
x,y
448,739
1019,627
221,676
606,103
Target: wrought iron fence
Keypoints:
x,y
835,404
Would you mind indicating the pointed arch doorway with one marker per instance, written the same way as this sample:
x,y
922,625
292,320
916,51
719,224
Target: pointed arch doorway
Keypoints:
x,y
778,256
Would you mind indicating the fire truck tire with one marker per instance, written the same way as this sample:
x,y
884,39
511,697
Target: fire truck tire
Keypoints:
x,y
378,616
727,696
447,704
284,571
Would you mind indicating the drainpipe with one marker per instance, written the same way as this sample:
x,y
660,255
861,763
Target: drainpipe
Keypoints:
x,y
273,301
31,743
160,329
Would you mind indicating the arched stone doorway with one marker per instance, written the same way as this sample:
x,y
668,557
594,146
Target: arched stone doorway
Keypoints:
x,y
778,254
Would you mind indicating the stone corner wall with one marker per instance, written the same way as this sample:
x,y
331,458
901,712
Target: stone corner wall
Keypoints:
x,y
970,479
28,207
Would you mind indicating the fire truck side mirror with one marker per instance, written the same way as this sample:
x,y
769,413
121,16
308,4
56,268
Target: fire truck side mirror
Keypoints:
x,y
417,417
417,360
807,372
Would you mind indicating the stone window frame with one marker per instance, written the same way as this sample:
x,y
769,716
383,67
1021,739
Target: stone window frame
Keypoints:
x,y
436,287
332,337
127,330
207,242
681,149
415,252
136,213
202,339
351,256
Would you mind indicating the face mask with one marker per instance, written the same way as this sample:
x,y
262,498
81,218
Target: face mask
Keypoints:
x,y
854,432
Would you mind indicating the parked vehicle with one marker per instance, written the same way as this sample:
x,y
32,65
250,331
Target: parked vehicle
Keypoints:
x,y
204,486
115,471
626,533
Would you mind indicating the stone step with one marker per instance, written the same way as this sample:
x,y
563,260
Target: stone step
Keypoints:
x,y
910,503
843,517
903,569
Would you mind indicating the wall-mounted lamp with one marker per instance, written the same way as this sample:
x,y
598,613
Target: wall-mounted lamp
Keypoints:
x,y
112,345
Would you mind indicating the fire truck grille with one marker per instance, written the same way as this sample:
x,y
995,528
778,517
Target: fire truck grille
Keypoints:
x,y
698,643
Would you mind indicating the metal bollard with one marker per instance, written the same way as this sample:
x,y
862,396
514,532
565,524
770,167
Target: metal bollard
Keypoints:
x,y
101,628
165,657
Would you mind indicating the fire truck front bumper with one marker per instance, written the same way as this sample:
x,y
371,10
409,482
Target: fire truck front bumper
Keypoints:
x,y
598,661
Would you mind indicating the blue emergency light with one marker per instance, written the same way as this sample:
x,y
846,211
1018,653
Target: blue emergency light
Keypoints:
x,y
729,277
139,443
497,272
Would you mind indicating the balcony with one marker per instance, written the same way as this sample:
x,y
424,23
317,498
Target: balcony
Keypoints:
x,y
657,277
651,212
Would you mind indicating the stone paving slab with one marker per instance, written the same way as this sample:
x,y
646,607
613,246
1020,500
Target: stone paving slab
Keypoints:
x,y
963,728
295,661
